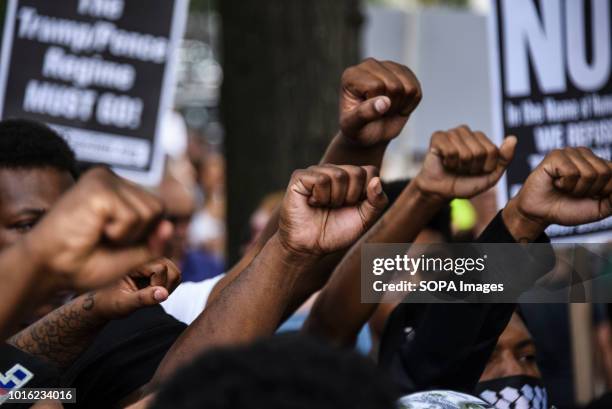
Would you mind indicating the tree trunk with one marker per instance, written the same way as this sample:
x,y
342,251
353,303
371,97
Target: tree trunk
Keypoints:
x,y
282,63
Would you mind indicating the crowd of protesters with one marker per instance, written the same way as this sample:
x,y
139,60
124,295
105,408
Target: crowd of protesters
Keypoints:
x,y
91,270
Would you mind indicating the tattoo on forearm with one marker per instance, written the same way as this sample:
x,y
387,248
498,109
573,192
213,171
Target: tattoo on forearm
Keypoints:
x,y
63,334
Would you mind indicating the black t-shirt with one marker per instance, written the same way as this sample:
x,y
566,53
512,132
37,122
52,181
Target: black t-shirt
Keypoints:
x,y
122,358
21,370
447,346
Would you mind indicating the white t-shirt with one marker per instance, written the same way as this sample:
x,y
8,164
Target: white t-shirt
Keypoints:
x,y
189,299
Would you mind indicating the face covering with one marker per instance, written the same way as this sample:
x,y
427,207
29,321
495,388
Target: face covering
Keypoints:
x,y
519,392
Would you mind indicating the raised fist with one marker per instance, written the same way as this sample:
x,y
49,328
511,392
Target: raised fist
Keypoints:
x,y
98,231
327,208
147,285
462,163
571,186
376,99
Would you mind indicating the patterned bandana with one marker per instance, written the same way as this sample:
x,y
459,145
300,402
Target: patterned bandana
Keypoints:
x,y
514,392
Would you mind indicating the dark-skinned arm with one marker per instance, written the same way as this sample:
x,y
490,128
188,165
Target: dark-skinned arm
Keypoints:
x,y
98,231
376,100
60,336
460,163
453,342
323,212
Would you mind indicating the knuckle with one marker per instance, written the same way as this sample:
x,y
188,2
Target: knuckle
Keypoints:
x,y
589,175
348,74
573,173
376,85
491,150
360,173
340,174
554,154
412,92
481,154
395,87
369,61
370,170
467,157
439,135
451,153
296,174
418,95
322,179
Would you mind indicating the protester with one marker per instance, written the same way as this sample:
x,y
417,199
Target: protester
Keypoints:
x,y
179,203
33,177
99,211
512,376
114,342
560,191
305,374
448,172
97,241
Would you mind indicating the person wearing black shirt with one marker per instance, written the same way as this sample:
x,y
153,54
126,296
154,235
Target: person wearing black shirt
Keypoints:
x,y
448,346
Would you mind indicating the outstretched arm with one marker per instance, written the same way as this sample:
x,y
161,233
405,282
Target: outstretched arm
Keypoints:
x,y
376,100
454,341
325,210
460,163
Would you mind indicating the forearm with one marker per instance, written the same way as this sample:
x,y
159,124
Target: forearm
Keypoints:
x,y
246,260
249,307
524,229
338,313
340,151
343,151
23,286
62,335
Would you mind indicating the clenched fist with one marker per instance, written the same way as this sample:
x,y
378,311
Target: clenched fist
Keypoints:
x,y
376,99
98,231
462,163
571,186
327,208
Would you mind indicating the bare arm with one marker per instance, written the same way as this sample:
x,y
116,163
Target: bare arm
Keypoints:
x,y
22,279
338,313
322,213
376,100
61,336
92,237
449,171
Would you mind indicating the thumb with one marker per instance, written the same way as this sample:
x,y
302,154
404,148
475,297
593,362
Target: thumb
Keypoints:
x,y
375,203
506,150
506,153
145,297
368,111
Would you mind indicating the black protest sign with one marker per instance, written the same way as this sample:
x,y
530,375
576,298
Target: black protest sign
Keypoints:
x,y
551,66
98,71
